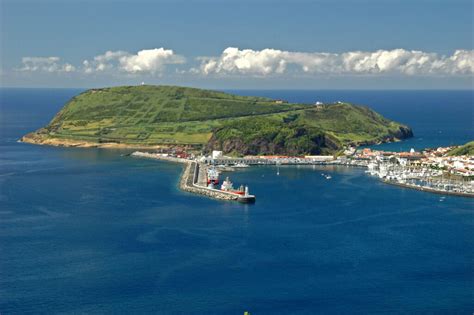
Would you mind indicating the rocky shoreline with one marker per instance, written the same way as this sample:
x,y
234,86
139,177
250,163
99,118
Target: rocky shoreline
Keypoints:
x,y
35,138
39,139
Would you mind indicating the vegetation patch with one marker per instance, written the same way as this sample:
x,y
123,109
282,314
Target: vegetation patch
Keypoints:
x,y
467,149
164,115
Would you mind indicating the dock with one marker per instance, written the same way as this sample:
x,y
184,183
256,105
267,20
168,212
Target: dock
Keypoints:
x,y
193,179
430,190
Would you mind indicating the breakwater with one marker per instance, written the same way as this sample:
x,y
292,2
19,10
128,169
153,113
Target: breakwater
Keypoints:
x,y
161,157
189,183
190,180
429,189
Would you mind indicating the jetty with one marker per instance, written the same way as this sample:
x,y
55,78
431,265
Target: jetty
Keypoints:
x,y
194,180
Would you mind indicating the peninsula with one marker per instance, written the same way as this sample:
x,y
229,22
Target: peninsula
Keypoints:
x,y
203,120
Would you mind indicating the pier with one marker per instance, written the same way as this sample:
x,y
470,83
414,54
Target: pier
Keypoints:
x,y
193,179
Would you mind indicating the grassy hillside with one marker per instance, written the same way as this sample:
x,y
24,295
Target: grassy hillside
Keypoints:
x,y
169,115
467,149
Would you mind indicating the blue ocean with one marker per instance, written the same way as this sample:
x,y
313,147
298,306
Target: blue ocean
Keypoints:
x,y
92,231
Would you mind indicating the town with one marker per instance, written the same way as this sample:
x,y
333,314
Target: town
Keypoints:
x,y
431,170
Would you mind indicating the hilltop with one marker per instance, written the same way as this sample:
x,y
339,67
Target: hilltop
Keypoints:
x,y
151,116
466,149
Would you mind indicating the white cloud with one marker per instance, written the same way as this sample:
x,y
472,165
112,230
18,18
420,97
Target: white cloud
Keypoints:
x,y
145,61
45,64
398,61
267,62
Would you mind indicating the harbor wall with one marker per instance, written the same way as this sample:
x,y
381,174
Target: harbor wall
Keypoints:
x,y
188,182
431,190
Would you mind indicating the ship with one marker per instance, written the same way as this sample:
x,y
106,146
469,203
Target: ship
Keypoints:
x,y
212,176
242,193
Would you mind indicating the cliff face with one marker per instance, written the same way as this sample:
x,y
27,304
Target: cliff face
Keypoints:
x,y
321,144
309,132
403,132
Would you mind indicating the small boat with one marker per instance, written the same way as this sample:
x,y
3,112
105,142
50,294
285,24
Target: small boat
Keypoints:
x,y
240,165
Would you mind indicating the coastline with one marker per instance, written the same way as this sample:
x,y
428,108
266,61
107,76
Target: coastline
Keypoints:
x,y
34,138
124,220
184,184
38,139
427,189
191,186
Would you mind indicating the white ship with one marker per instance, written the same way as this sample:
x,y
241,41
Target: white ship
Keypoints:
x,y
242,192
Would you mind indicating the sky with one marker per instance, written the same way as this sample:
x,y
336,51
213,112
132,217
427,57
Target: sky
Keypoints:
x,y
260,44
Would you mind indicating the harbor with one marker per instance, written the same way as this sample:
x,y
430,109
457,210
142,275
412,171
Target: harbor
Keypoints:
x,y
429,171
195,179
202,179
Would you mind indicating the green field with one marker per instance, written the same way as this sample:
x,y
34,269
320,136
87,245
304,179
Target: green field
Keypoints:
x,y
170,115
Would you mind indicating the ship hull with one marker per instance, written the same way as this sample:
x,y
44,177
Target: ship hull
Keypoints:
x,y
246,199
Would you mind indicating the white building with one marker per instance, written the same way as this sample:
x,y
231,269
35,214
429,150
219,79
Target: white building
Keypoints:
x,y
320,158
216,154
458,164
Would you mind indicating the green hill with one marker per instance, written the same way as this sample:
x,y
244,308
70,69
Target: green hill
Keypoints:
x,y
467,149
179,116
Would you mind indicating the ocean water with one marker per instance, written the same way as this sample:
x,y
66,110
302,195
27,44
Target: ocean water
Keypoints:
x,y
92,231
